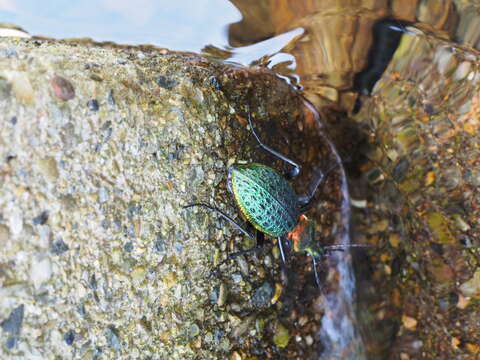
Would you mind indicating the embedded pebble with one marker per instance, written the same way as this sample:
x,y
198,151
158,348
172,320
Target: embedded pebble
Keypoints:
x,y
472,286
13,323
40,271
21,86
194,330
48,168
62,88
222,294
5,88
409,322
462,70
166,82
262,296
69,337
237,278
15,221
102,195
4,234
138,274
11,342
41,219
59,247
113,339
93,104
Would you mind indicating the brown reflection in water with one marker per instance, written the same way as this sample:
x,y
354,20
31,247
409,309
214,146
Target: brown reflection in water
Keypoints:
x,y
337,38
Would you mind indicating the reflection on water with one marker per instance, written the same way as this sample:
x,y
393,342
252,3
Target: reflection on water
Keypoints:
x,y
337,37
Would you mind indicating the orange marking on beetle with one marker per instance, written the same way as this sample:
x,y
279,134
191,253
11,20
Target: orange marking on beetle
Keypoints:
x,y
296,234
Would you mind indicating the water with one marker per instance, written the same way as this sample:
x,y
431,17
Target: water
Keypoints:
x,y
339,329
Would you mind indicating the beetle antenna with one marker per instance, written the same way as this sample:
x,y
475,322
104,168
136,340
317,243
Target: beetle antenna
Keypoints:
x,y
282,252
294,172
317,279
223,215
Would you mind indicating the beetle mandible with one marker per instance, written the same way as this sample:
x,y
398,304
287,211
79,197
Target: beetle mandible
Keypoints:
x,y
268,201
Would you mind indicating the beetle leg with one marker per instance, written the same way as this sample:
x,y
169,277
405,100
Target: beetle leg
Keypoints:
x,y
282,252
225,216
306,199
296,168
321,176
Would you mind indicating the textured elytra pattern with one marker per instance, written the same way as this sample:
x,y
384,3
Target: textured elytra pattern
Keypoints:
x,y
266,199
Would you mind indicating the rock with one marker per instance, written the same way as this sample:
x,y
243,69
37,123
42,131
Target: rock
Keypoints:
x,y
62,88
40,219
13,323
69,337
93,104
15,221
409,322
472,286
263,295
41,271
59,247
282,336
93,224
21,85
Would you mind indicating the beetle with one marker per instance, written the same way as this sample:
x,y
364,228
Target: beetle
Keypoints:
x,y
268,201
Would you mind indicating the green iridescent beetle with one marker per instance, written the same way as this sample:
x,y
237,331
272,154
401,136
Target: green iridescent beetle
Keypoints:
x,y
270,204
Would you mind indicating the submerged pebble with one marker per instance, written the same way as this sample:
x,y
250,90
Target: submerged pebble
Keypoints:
x,y
282,336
